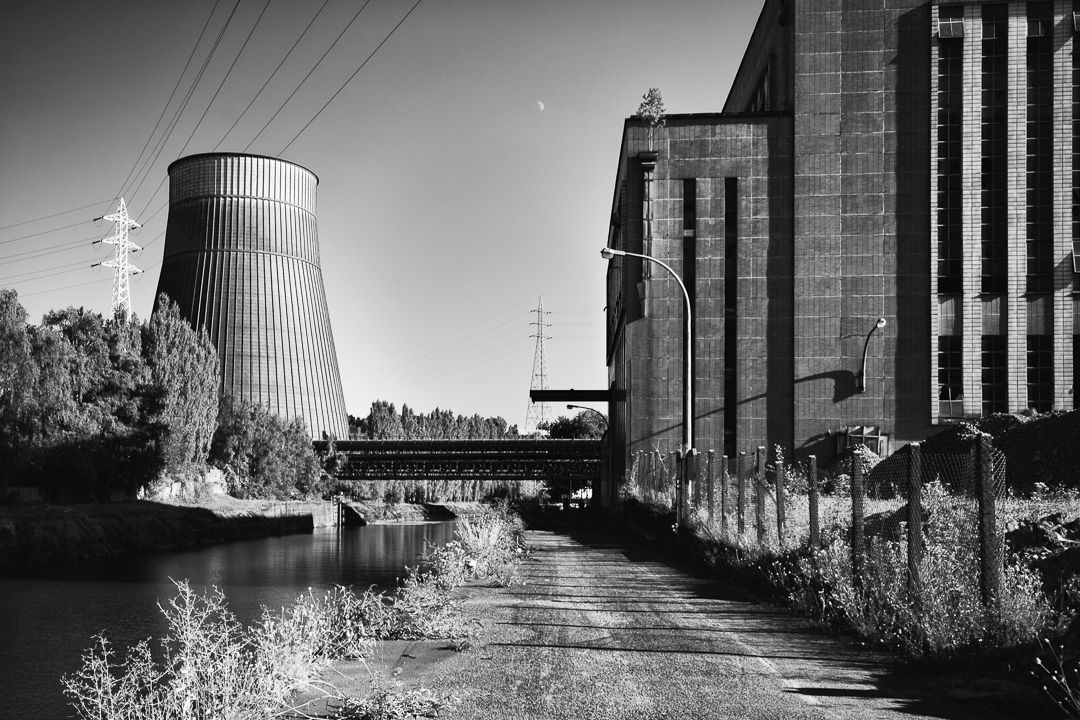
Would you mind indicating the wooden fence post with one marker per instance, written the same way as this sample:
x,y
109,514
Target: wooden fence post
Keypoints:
x,y
711,478
725,495
858,517
695,480
687,480
990,550
781,478
759,495
740,477
679,468
916,544
812,482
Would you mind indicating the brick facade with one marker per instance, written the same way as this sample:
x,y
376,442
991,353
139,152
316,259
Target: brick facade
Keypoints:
x,y
860,142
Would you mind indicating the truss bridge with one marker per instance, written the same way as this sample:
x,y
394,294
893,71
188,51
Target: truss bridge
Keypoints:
x,y
551,461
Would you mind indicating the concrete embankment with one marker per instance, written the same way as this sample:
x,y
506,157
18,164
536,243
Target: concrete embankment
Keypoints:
x,y
43,534
32,535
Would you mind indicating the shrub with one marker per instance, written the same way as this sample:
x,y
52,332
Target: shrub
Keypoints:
x,y
946,617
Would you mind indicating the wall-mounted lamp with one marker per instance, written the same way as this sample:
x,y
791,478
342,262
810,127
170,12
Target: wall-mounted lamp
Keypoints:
x,y
860,381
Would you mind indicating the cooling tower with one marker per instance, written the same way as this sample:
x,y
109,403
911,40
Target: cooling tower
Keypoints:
x,y
242,260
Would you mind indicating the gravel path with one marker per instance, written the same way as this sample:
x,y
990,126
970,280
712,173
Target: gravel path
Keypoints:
x,y
601,629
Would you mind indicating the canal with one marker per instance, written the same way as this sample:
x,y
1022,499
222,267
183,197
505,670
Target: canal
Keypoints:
x,y
48,616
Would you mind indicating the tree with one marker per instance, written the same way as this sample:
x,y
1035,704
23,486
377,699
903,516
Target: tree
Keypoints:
x,y
184,372
586,424
17,368
263,455
652,110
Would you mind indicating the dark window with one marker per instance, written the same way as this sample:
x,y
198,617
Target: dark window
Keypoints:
x,y
1040,147
950,194
1040,372
1076,162
731,300
950,376
1040,353
1076,372
995,377
995,199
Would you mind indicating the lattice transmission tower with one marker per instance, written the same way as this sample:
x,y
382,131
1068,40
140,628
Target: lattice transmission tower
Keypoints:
x,y
537,414
122,269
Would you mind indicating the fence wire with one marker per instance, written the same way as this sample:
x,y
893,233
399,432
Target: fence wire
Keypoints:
x,y
760,505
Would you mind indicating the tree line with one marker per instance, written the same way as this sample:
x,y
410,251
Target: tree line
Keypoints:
x,y
96,408
384,422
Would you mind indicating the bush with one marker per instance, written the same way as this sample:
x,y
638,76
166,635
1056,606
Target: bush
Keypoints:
x,y
946,618
212,666
264,456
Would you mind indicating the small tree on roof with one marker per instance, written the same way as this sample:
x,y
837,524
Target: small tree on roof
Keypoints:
x,y
652,110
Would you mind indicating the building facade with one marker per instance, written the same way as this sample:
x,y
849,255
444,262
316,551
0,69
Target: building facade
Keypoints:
x,y
242,261
905,161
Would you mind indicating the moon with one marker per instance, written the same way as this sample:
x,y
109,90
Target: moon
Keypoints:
x,y
540,104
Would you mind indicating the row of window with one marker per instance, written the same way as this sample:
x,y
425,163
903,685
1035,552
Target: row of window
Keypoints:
x,y
994,374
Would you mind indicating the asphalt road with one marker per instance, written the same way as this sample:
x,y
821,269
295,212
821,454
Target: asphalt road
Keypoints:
x,y
605,629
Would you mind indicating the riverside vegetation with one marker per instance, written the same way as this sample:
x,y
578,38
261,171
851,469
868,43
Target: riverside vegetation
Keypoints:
x,y
209,665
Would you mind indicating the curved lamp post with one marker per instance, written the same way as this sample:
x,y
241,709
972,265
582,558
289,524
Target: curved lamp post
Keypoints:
x,y
582,407
688,377
860,383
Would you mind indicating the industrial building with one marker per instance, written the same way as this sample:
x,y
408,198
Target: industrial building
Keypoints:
x,y
241,260
876,232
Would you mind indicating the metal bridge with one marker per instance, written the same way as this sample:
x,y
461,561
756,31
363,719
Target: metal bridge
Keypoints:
x,y
551,461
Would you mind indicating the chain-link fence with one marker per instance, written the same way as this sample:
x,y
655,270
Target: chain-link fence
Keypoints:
x,y
943,497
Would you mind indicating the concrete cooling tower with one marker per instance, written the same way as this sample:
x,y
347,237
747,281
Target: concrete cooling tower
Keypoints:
x,y
242,260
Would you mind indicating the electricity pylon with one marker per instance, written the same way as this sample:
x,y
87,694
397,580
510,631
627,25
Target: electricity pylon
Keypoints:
x,y
122,269
537,414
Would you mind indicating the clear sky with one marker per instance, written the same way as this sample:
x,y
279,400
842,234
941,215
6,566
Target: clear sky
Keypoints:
x,y
465,171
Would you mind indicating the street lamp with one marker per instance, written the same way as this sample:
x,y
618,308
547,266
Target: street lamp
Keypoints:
x,y
688,378
582,407
860,382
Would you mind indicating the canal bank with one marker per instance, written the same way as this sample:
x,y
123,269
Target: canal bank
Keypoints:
x,y
50,614
34,535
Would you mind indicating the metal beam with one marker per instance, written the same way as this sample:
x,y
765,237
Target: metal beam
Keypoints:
x,y
574,396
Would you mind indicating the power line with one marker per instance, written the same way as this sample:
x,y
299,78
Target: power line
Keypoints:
x,y
55,214
312,70
43,232
271,76
41,252
58,289
355,72
51,272
171,96
225,79
160,145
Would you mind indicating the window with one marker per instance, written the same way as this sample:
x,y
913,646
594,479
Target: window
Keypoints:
x,y
1040,354
950,192
950,376
868,435
994,150
951,22
1040,141
995,375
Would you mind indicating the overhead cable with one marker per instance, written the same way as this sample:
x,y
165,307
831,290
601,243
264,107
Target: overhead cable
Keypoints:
x,y
355,72
271,76
171,96
224,79
312,70
160,145
55,214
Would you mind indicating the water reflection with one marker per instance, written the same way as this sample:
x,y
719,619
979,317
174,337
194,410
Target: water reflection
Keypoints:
x,y
48,615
